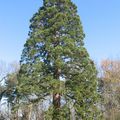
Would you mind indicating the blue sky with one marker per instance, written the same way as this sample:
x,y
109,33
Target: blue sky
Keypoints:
x,y
100,19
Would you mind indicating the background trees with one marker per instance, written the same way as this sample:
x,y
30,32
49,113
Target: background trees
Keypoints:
x,y
111,88
8,84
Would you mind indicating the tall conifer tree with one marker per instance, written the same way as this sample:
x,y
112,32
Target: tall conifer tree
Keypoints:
x,y
55,63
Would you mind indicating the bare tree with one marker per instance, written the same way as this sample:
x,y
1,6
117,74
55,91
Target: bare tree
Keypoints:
x,y
111,83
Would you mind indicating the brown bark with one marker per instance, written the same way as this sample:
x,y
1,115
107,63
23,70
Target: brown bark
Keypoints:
x,y
56,104
56,100
56,95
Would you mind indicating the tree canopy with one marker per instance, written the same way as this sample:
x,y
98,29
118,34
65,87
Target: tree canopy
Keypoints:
x,y
56,66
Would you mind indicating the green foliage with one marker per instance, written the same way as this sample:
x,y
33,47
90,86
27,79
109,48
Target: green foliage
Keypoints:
x,y
54,60
64,113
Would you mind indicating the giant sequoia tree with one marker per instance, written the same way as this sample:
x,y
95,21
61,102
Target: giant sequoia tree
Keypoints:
x,y
55,64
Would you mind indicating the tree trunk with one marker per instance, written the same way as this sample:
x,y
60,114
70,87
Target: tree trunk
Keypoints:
x,y
56,106
56,96
56,100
